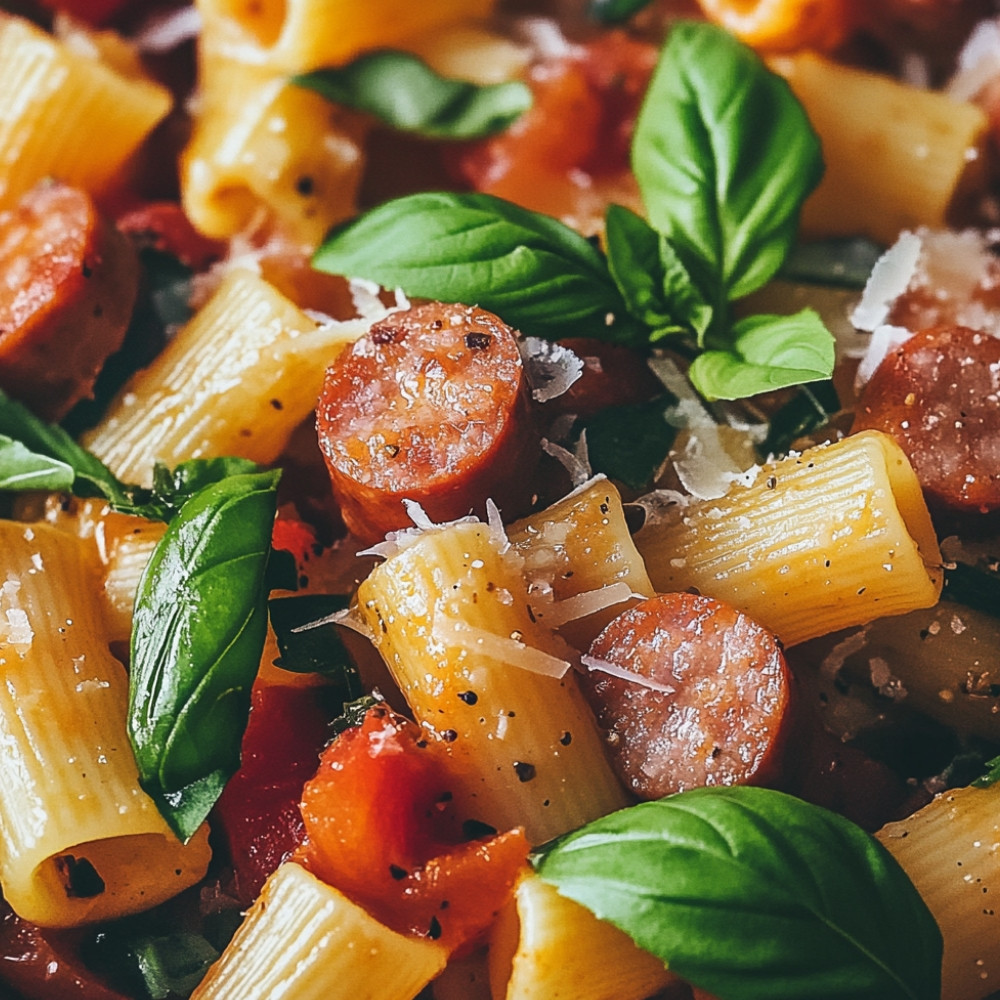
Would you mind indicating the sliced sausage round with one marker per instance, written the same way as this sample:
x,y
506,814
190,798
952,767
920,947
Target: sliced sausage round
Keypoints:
x,y
709,702
938,395
68,282
431,405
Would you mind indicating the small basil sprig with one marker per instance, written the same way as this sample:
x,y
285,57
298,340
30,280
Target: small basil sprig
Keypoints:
x,y
751,894
403,91
199,625
724,156
533,271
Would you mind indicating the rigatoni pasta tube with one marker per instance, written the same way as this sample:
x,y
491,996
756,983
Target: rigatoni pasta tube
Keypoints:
x,y
262,146
545,945
581,553
297,35
236,380
895,154
306,940
835,537
951,851
451,618
79,840
65,114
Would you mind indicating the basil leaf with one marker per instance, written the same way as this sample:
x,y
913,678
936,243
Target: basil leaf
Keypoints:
x,y
629,443
403,91
752,894
656,286
198,629
766,353
90,477
991,776
172,965
21,469
724,155
616,11
317,649
535,273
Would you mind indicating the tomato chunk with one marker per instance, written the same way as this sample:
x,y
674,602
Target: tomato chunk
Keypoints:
x,y
380,828
258,812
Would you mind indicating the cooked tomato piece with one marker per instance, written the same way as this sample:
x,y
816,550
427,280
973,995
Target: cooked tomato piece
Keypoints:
x,y
938,395
710,703
69,284
432,405
380,828
257,814
95,12
574,141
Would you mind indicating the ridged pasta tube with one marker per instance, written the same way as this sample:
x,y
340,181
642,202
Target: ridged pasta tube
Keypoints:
x,y
837,536
79,839
451,617
306,940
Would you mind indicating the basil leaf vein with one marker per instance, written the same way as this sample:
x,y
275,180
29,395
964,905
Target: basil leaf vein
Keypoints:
x,y
401,90
752,894
199,626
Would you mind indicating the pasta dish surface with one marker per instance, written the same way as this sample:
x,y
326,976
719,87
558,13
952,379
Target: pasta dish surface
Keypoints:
x,y
500,499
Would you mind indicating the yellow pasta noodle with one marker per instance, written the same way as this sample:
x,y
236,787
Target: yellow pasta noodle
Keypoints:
x,y
237,380
580,550
262,147
297,35
835,537
545,945
65,114
895,155
951,851
306,940
80,840
451,617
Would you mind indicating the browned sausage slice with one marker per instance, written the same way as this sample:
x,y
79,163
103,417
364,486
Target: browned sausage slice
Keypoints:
x,y
938,395
718,714
68,282
431,405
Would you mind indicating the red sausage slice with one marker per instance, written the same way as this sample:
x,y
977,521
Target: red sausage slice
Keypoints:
x,y
68,282
432,405
722,718
938,395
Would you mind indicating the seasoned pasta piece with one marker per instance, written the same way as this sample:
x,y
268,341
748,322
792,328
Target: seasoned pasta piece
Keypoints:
x,y
951,851
264,147
236,380
579,553
65,114
836,536
451,618
298,35
896,156
545,945
80,840
304,939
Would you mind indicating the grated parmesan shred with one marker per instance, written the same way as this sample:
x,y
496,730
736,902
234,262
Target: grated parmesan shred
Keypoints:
x,y
556,613
596,665
504,649
549,367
